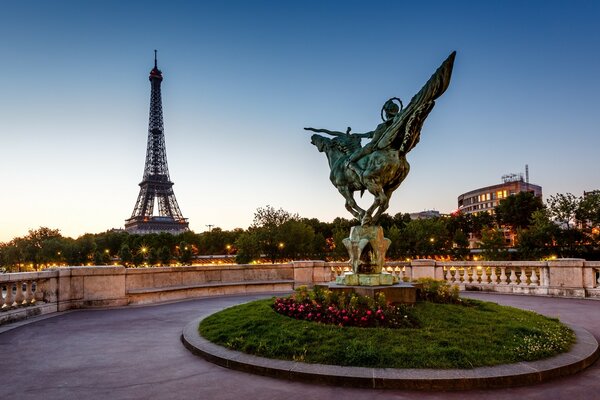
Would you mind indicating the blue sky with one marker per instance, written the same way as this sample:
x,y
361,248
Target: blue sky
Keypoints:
x,y
241,80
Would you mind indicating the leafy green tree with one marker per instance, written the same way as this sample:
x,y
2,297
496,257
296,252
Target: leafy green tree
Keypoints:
x,y
493,244
339,251
85,247
164,255
563,208
267,226
137,259
588,210
516,210
319,249
295,240
248,248
480,222
426,237
152,257
125,255
537,241
460,248
185,253
395,250
106,257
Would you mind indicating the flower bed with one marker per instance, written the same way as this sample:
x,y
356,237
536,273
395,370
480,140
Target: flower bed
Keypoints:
x,y
327,307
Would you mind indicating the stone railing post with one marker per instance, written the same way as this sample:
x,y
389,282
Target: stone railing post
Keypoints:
x,y
426,269
310,272
88,287
566,277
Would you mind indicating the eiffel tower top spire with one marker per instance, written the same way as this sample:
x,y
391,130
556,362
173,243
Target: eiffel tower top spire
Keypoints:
x,y
156,185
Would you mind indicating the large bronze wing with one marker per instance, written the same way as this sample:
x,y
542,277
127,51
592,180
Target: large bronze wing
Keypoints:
x,y
404,132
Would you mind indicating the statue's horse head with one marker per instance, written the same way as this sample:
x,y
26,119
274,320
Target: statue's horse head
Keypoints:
x,y
322,143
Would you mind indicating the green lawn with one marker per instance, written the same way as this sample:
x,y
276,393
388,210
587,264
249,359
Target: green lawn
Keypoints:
x,y
450,336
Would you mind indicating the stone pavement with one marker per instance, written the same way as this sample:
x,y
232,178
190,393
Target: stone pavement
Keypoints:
x,y
136,353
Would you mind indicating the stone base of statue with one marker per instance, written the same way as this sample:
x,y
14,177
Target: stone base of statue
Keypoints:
x,y
398,293
352,279
366,247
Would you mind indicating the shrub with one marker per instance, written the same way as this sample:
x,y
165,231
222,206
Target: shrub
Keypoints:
x,y
438,291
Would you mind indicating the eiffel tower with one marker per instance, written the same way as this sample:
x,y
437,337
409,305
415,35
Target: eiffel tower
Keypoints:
x,y
156,184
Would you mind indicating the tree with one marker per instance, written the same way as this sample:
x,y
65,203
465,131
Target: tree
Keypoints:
x,y
538,240
481,221
248,248
295,240
125,254
493,244
588,211
426,237
164,255
516,210
563,208
137,259
395,249
460,249
152,257
185,253
267,226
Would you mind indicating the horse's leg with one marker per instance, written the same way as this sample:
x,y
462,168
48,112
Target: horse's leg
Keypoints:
x,y
351,204
380,203
384,203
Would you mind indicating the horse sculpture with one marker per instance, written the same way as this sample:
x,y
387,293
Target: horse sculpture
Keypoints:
x,y
380,166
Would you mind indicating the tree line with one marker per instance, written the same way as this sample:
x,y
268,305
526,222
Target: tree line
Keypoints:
x,y
522,228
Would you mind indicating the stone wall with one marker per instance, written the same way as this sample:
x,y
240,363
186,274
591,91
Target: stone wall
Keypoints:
x,y
34,293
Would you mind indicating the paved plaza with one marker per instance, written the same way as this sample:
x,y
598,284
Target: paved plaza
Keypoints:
x,y
136,353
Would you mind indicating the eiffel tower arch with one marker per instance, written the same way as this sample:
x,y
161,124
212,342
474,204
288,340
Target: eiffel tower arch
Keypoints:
x,y
156,185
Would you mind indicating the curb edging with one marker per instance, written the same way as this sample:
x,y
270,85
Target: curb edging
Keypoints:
x,y
582,354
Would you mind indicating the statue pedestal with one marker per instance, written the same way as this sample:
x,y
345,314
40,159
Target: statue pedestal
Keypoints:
x,y
399,293
366,247
352,279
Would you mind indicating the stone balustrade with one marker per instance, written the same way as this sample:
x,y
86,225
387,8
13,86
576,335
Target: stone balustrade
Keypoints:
x,y
26,294
35,293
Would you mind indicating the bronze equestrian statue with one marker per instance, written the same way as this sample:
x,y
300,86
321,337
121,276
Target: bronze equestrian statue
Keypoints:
x,y
380,166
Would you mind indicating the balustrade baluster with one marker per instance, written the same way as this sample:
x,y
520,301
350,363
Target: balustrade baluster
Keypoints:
x,y
2,295
474,275
512,280
38,294
534,278
484,276
458,275
493,277
503,275
10,299
523,277
19,297
29,293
